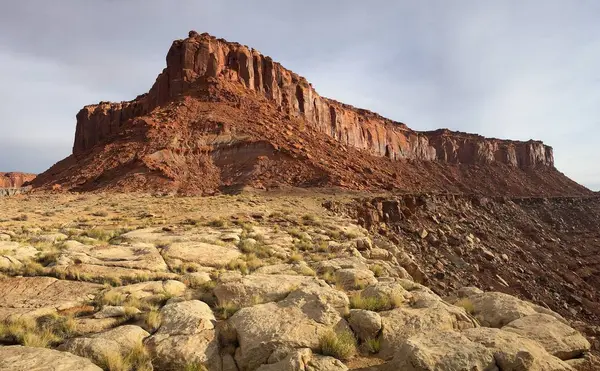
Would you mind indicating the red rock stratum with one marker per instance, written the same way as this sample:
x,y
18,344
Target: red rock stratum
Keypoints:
x,y
222,114
14,180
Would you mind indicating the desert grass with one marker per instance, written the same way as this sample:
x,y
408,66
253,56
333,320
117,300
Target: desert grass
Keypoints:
x,y
466,304
340,345
373,346
376,303
43,333
226,309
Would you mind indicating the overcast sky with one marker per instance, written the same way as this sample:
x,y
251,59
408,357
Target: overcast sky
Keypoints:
x,y
509,69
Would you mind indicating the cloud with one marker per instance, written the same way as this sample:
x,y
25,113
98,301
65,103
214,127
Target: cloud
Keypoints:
x,y
508,69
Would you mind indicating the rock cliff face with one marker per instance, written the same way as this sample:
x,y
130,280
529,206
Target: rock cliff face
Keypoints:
x,y
14,180
222,116
202,57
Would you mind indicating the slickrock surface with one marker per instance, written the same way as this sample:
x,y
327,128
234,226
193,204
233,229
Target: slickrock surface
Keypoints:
x,y
307,284
223,115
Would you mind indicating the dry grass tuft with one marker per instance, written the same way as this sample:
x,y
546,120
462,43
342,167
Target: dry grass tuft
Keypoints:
x,y
466,304
339,345
152,319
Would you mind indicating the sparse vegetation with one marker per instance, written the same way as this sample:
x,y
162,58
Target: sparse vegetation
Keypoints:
x,y
305,270
295,258
194,366
304,245
98,234
373,345
217,223
377,270
152,319
112,360
226,309
339,345
138,358
328,276
46,331
376,303
296,233
110,297
466,304
310,219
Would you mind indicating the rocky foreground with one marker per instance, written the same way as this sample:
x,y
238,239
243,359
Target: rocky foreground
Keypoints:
x,y
259,282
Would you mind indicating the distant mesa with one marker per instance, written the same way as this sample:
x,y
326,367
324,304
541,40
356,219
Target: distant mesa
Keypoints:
x,y
14,179
222,115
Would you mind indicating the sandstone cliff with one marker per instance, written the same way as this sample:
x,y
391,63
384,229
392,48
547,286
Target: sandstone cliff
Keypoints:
x,y
204,56
222,115
14,180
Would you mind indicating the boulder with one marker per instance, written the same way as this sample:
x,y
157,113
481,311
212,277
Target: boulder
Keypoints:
x,y
299,321
364,323
557,338
18,358
351,279
404,322
441,351
186,335
513,352
495,309
386,291
305,360
260,288
120,340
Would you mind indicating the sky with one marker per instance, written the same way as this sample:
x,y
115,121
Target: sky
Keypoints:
x,y
507,69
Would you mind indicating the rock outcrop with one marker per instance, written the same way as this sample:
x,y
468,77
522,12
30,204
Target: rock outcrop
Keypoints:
x,y
307,292
15,180
204,57
223,115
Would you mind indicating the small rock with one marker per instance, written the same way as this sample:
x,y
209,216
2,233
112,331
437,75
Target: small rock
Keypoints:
x,y
363,244
488,254
230,237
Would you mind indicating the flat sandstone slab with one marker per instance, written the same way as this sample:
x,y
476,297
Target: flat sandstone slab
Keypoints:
x,y
40,295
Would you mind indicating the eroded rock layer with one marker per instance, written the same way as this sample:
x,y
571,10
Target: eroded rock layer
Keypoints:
x,y
14,180
203,56
221,114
